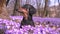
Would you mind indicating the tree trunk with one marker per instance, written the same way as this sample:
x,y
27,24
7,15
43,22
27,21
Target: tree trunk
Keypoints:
x,y
45,9
7,2
58,2
17,5
37,8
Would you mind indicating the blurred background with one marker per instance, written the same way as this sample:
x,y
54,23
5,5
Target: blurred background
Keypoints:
x,y
45,8
46,19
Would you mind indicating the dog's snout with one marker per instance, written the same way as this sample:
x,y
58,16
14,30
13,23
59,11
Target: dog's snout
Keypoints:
x,y
19,11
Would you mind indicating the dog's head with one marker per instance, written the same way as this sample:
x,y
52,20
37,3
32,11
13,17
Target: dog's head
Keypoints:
x,y
27,8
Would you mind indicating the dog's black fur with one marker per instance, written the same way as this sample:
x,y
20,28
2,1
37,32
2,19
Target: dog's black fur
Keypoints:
x,y
32,11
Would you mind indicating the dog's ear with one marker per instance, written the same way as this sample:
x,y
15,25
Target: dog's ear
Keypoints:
x,y
32,11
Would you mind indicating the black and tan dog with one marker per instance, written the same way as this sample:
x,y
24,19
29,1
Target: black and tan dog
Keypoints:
x,y
27,10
